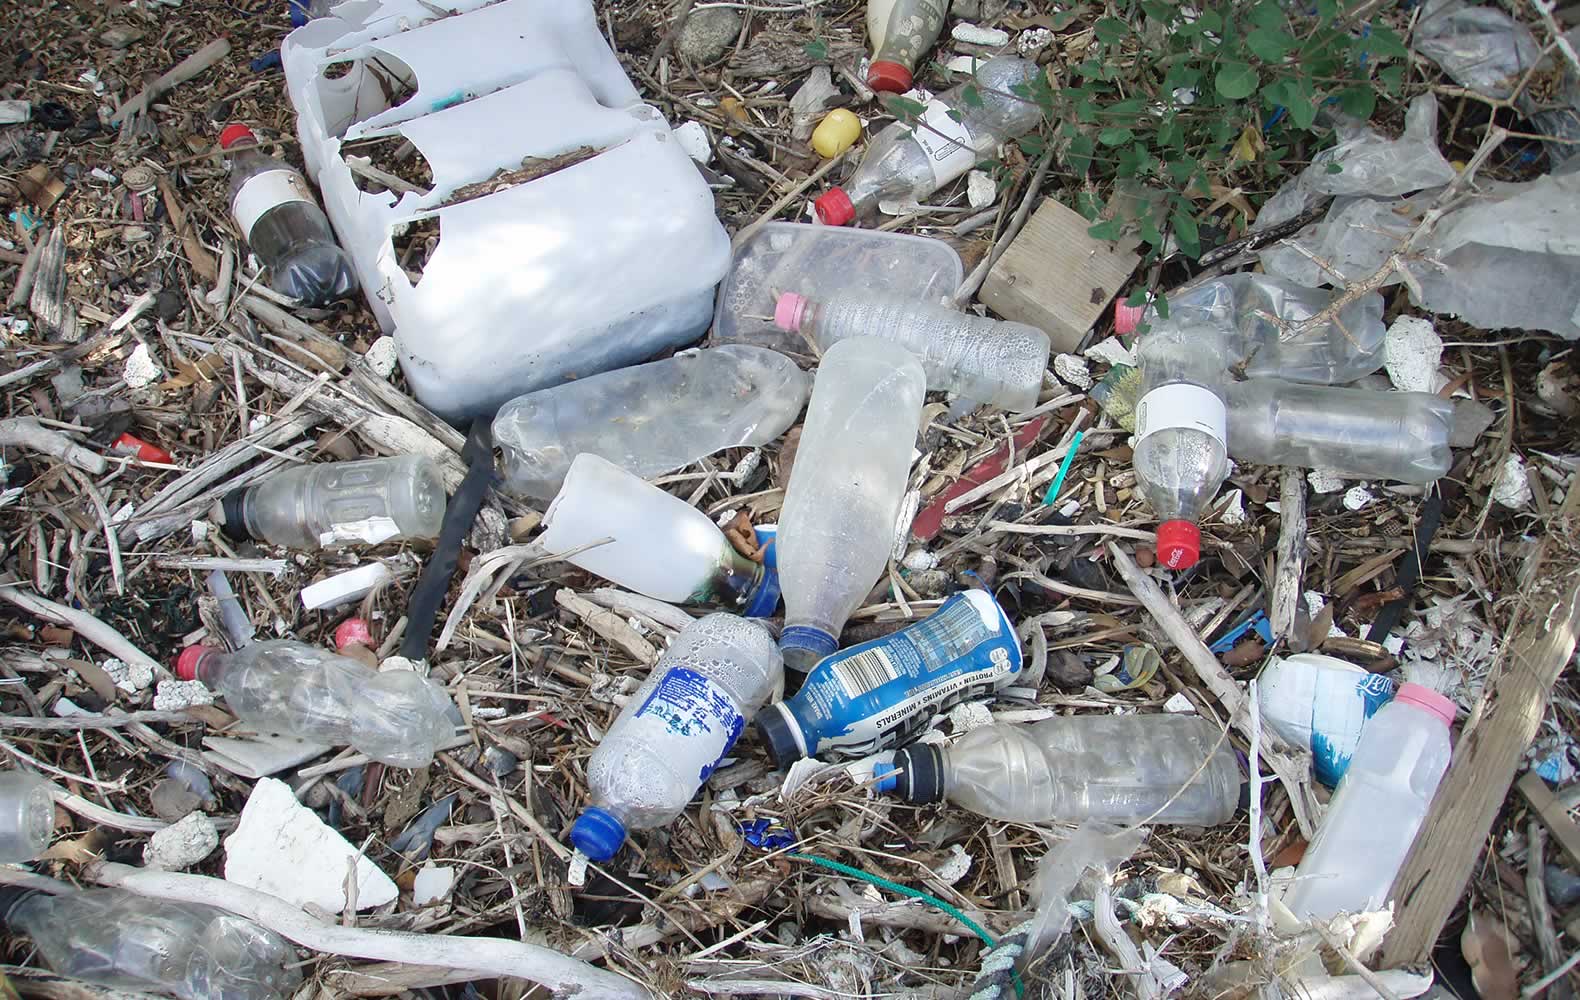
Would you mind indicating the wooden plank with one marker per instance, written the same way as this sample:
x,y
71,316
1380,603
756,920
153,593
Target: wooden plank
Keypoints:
x,y
1057,278
1552,812
1541,641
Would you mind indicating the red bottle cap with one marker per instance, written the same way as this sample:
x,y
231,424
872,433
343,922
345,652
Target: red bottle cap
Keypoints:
x,y
834,208
353,631
789,311
1127,318
189,660
1425,698
1179,544
126,444
234,134
888,76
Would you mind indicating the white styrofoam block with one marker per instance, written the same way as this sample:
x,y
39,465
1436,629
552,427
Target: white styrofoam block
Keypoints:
x,y
382,356
182,844
432,884
974,34
129,677
342,588
1072,369
282,848
693,138
141,369
173,696
1513,488
981,189
1412,351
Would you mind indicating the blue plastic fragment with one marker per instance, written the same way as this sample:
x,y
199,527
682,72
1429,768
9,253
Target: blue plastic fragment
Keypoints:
x,y
1257,621
269,60
764,834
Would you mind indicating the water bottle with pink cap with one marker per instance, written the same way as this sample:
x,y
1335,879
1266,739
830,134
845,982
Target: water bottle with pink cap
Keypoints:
x,y
1378,809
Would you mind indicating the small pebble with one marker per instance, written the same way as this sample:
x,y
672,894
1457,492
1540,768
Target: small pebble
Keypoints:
x,y
1068,671
382,357
182,844
708,34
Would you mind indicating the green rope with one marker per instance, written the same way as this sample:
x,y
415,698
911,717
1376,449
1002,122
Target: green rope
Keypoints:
x,y
905,890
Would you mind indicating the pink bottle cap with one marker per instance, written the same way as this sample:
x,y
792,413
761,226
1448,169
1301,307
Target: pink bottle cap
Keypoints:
x,y
190,659
1127,318
834,208
1428,700
353,631
789,311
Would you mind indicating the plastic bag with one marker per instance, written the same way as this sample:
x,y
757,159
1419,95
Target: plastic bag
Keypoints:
x,y
1094,844
1480,48
1355,238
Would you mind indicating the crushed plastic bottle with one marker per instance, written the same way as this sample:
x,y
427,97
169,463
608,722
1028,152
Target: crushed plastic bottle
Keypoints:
x,y
878,694
1181,426
634,534
1400,436
275,211
1378,808
980,359
27,816
838,520
1322,703
901,32
115,938
910,160
335,503
282,686
1070,769
676,729
652,418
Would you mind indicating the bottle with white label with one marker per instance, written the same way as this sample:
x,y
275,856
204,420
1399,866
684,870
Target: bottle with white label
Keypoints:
x,y
291,688
880,693
1071,769
901,32
337,503
1181,429
282,223
676,729
1323,703
956,130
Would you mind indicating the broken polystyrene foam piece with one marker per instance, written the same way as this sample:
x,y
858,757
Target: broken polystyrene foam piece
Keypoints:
x,y
954,867
1032,41
918,560
1357,497
973,34
1072,369
1234,511
968,716
173,696
1111,351
182,844
1400,983
382,357
282,848
129,677
1179,704
981,189
432,884
1412,352
141,369
1324,481
693,138
342,588
962,64
1513,488
799,773
260,755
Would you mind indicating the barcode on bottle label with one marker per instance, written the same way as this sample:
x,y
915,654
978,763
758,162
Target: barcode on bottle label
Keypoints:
x,y
865,672
263,192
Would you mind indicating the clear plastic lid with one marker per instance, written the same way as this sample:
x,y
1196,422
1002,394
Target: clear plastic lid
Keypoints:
x,y
820,263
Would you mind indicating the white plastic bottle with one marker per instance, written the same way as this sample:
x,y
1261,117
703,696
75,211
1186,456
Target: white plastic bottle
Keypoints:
x,y
275,211
675,729
1181,427
334,503
1378,809
27,816
282,686
1401,436
910,160
984,360
838,520
659,545
1070,769
901,32
1322,703
650,419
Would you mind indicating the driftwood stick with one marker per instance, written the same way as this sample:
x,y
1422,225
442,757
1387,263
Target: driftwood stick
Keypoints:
x,y
85,625
25,432
1291,551
180,73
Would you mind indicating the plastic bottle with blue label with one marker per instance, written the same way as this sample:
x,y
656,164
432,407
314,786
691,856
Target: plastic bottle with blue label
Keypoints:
x,y
676,729
1322,703
876,695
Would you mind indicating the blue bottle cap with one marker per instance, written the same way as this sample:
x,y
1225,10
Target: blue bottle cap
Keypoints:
x,y
888,780
764,598
597,834
803,646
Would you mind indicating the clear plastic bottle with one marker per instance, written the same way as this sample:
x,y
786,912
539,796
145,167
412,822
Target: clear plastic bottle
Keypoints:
x,y
282,223
652,418
333,503
282,686
1401,436
27,816
901,32
910,160
1180,458
675,729
1378,808
844,495
984,360
1070,769
659,544
115,938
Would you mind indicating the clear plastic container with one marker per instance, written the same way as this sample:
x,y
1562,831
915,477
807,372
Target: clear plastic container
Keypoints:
x,y
984,360
1181,426
838,520
27,816
282,686
908,161
275,211
1378,809
901,32
676,729
1071,769
115,938
823,262
1400,436
336,503
634,534
1321,703
652,418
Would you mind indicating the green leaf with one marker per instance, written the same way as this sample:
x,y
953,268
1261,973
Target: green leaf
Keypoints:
x,y
1110,30
1186,232
971,96
1150,233
1171,134
1327,10
816,50
1125,109
1163,13
1335,168
1033,145
1109,230
1210,20
1089,205
1267,14
1115,136
1236,81
1300,100
1079,156
1385,43
1181,170
1359,101
1270,44
905,109
1391,78
1161,304
1137,297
